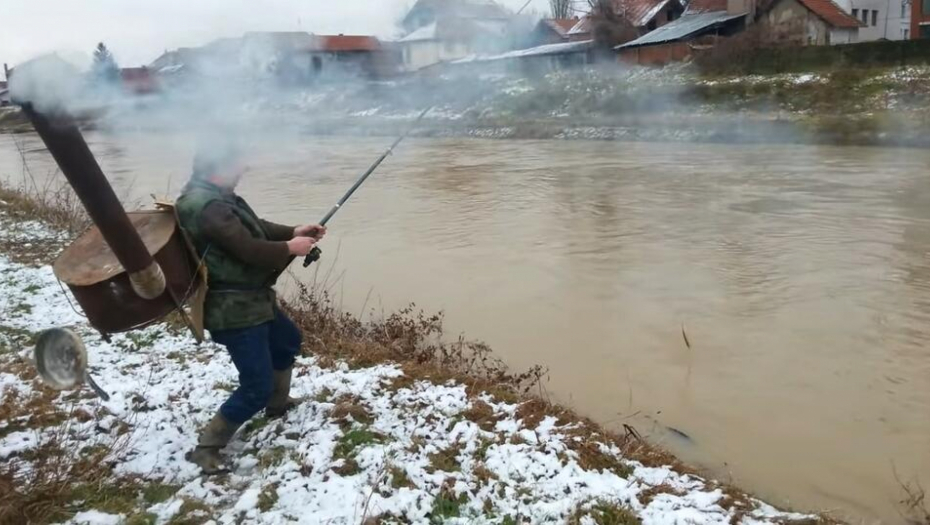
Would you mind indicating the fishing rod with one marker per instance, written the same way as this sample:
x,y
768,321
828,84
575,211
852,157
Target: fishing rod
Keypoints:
x,y
316,253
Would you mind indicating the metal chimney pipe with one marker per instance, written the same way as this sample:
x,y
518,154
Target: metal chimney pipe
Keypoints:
x,y
66,144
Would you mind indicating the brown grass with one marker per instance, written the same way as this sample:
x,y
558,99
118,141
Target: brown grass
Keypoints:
x,y
349,410
445,460
481,414
408,337
604,513
645,497
53,203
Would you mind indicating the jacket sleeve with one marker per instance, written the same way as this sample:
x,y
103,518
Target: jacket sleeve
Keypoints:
x,y
221,226
277,232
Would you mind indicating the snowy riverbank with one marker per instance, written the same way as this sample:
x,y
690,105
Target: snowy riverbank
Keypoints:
x,y
370,445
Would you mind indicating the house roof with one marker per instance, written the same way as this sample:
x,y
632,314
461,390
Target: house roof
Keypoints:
x,y
453,29
562,48
582,27
560,25
640,12
704,6
337,43
687,25
458,8
831,13
429,32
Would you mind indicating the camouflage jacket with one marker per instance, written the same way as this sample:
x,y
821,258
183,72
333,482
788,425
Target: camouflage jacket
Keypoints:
x,y
243,255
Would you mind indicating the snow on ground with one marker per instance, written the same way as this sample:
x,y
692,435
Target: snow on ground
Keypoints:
x,y
365,443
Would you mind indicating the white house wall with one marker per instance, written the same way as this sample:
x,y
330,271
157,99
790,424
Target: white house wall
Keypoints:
x,y
891,23
843,36
425,53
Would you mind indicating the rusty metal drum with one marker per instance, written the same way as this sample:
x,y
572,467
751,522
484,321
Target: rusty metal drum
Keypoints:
x,y
102,287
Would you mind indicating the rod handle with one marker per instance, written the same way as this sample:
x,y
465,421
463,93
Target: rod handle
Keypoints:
x,y
313,256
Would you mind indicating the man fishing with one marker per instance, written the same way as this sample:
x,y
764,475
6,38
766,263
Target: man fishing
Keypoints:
x,y
243,255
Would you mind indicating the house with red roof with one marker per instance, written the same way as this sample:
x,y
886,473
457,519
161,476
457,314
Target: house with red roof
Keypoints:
x,y
294,57
359,55
789,22
808,22
138,80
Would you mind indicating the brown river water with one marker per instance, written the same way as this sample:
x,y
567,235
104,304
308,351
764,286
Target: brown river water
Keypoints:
x,y
801,276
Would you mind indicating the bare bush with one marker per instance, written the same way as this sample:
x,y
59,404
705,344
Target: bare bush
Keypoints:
x,y
560,8
610,25
409,337
728,54
70,462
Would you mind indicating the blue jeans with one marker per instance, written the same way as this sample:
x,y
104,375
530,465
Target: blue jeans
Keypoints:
x,y
257,352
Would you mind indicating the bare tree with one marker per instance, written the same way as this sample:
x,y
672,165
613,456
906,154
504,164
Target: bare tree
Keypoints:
x,y
610,24
560,8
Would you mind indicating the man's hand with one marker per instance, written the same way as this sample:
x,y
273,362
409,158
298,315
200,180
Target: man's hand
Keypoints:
x,y
300,246
310,230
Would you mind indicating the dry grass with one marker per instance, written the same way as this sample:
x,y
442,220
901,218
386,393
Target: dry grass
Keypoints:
x,y
482,415
605,513
53,203
349,410
408,337
68,470
445,460
646,496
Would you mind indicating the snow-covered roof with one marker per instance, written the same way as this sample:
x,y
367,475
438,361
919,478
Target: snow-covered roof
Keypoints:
x,y
170,70
562,48
424,33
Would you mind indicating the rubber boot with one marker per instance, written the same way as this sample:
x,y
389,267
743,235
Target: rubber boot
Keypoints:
x,y
280,401
217,434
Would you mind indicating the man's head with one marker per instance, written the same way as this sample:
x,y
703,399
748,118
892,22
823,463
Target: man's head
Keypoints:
x,y
219,162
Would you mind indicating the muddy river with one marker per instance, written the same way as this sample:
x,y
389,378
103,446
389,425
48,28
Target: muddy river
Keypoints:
x,y
800,274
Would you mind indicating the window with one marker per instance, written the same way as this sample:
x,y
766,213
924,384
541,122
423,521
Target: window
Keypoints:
x,y
924,31
855,13
903,9
925,7
907,33
865,16
874,17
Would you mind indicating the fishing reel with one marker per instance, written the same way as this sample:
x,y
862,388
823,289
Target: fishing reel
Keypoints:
x,y
61,361
313,256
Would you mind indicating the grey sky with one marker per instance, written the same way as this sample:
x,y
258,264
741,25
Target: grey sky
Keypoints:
x,y
138,31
